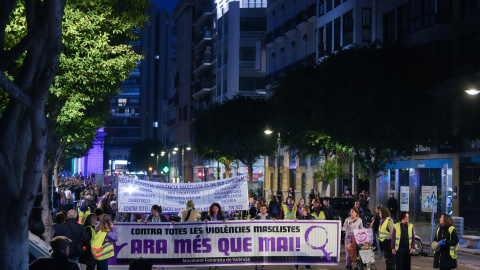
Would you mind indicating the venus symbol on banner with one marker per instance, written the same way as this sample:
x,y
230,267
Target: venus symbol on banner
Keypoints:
x,y
319,247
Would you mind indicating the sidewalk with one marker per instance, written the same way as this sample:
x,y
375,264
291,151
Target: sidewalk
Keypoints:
x,y
423,230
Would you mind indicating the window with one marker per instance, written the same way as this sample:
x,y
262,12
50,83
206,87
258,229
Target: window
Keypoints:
x,y
336,36
328,38
122,101
321,8
366,24
402,24
305,44
328,5
321,42
337,3
468,7
422,14
253,24
247,53
348,28
389,27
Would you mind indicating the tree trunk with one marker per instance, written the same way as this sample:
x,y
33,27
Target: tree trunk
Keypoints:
x,y
46,211
250,174
323,191
372,203
23,128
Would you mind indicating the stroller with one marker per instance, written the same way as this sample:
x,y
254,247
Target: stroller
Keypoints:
x,y
366,257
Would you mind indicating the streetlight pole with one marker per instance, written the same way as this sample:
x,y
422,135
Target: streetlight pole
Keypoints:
x,y
279,185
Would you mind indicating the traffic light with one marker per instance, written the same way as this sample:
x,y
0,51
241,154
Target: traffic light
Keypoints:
x,y
166,169
200,174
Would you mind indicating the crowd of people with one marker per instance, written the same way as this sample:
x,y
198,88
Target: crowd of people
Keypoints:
x,y
83,232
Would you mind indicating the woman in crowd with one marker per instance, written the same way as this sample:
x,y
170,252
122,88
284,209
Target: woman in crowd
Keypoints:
x,y
353,222
215,213
300,206
318,211
447,238
189,213
374,225
274,207
262,216
90,229
156,215
102,245
385,229
305,216
403,241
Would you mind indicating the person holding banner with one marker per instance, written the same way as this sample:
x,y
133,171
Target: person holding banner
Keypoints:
x,y
385,229
447,238
319,211
353,222
403,241
289,209
156,215
263,214
300,206
274,207
215,213
189,213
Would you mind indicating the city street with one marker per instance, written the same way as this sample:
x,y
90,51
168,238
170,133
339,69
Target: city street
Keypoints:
x,y
465,261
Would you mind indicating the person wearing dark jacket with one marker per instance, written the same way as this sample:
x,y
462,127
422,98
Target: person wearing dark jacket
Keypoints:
x,y
75,232
274,207
59,258
215,213
156,215
447,238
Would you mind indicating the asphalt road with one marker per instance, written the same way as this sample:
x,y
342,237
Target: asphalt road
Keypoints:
x,y
464,261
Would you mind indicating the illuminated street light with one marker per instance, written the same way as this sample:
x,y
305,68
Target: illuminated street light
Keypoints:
x,y
279,188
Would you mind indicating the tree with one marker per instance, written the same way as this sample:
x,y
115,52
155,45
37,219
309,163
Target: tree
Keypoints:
x,y
329,172
234,130
37,128
375,100
28,64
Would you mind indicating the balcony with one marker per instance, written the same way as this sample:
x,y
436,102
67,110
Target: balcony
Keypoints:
x,y
202,87
203,62
203,12
270,38
204,34
290,26
279,31
312,12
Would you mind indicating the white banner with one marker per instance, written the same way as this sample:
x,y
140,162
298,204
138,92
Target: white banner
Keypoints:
x,y
363,235
229,243
138,196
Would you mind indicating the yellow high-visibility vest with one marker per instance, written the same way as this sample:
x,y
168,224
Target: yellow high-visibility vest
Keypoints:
x,y
321,215
398,232
82,216
101,251
382,232
290,215
453,249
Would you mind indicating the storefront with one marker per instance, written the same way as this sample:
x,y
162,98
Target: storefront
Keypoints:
x,y
409,180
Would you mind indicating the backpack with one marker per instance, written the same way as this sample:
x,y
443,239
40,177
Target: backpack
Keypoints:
x,y
275,210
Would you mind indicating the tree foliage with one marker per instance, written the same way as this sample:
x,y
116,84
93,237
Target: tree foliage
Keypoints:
x,y
234,130
44,115
375,100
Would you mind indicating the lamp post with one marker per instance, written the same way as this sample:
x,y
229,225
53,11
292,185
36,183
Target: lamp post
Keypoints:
x,y
183,160
279,185
152,154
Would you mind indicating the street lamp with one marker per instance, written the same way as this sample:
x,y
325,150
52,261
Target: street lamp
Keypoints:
x,y
279,188
152,154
